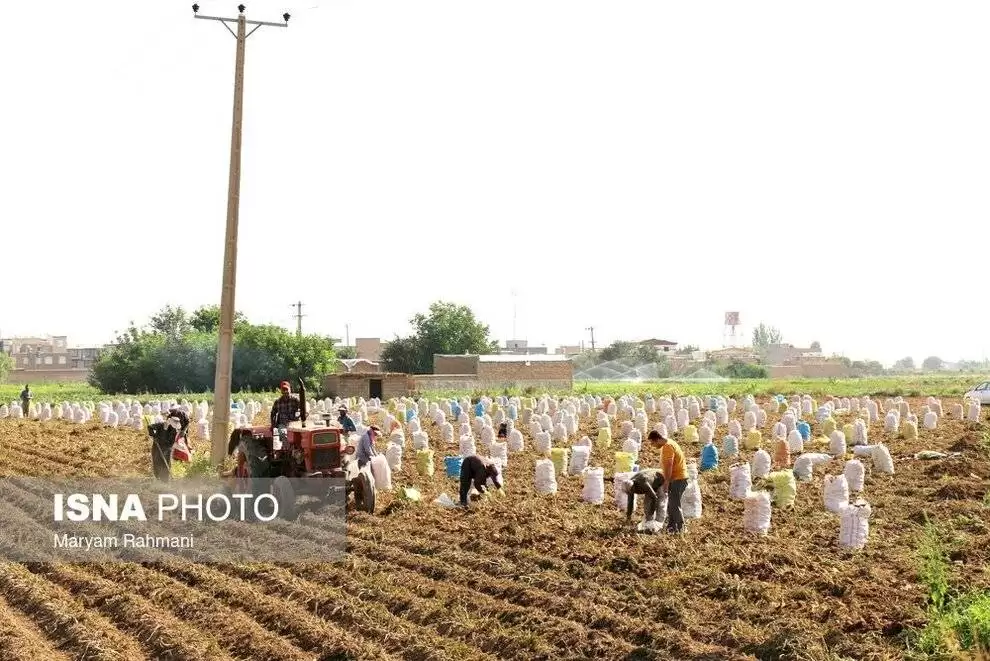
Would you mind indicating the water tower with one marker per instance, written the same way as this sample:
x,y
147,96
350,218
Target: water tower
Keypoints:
x,y
730,330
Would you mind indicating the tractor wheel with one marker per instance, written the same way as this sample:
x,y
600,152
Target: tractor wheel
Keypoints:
x,y
364,493
255,458
285,496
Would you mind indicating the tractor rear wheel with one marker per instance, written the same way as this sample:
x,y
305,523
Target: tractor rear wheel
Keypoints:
x,y
364,493
285,496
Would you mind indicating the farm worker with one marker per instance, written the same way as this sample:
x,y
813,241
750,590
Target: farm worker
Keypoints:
x,y
179,420
345,420
366,446
26,400
477,470
674,467
648,483
503,430
286,408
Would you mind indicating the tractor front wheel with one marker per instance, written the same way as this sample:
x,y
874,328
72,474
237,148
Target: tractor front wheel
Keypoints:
x,y
364,493
285,496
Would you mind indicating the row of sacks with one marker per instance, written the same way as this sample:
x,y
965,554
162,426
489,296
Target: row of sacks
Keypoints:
x,y
854,516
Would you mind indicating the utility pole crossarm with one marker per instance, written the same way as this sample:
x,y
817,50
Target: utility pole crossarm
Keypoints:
x,y
247,22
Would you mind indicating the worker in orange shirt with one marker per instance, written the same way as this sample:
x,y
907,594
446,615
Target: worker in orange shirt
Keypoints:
x,y
674,468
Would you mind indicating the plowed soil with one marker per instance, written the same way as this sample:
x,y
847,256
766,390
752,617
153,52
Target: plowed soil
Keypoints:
x,y
521,577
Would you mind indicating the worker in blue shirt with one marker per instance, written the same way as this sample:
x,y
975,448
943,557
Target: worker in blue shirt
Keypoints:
x,y
345,420
366,446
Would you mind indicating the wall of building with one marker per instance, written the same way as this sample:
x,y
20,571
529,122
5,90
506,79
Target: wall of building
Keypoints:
x,y
48,353
368,348
455,364
810,371
427,382
550,374
359,385
62,375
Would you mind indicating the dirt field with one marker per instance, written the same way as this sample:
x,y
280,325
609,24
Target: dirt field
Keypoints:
x,y
524,577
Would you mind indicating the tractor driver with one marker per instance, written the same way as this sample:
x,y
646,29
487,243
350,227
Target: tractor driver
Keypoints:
x,y
286,408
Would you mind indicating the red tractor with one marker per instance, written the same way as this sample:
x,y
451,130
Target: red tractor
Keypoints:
x,y
314,453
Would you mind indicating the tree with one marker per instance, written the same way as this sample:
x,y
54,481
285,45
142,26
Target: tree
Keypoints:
x,y
816,346
906,363
739,370
401,355
206,319
159,361
171,322
687,350
345,353
617,350
932,363
6,364
766,336
448,328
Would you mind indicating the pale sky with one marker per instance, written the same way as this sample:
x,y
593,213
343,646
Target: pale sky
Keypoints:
x,y
639,167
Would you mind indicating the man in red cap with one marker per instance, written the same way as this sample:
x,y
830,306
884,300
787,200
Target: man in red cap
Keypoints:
x,y
286,408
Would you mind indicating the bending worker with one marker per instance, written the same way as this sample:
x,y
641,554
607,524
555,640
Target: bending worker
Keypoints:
x,y
648,483
477,470
366,446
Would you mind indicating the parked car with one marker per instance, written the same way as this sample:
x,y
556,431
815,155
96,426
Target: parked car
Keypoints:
x,y
981,393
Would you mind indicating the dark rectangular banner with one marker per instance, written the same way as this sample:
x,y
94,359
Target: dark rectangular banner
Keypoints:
x,y
127,520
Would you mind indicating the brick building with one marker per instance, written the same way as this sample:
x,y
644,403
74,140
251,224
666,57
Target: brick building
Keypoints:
x,y
48,359
507,370
663,346
383,385
368,348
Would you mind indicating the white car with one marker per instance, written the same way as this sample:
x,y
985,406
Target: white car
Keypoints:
x,y
981,393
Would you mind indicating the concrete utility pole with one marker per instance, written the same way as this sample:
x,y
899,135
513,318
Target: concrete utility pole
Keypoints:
x,y
225,349
299,316
591,329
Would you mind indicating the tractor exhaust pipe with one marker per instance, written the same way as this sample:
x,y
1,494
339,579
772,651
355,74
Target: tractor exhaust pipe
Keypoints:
x,y
302,401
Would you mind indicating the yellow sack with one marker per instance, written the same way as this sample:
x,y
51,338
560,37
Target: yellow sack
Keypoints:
x,y
559,458
753,440
623,462
690,434
784,488
424,462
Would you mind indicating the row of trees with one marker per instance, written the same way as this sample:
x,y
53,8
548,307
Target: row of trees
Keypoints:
x,y
176,352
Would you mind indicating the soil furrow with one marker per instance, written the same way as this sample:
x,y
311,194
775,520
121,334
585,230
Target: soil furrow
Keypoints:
x,y
70,626
305,631
356,605
164,636
22,640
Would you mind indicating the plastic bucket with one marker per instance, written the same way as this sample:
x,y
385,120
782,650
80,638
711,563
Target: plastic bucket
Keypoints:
x,y
453,465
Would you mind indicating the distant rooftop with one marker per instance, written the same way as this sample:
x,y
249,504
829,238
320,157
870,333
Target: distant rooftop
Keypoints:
x,y
510,357
522,358
654,340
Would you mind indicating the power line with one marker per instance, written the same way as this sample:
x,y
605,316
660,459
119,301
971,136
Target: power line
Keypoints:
x,y
225,347
592,330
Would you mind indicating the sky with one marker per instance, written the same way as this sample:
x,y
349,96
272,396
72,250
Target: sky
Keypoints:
x,y
636,167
